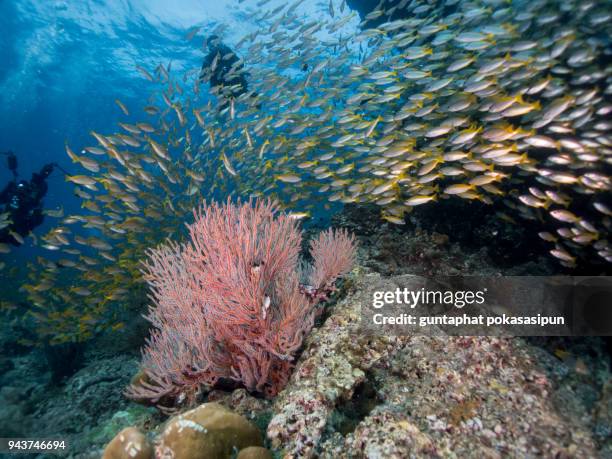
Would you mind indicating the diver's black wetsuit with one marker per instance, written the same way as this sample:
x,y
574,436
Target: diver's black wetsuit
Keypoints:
x,y
224,69
23,201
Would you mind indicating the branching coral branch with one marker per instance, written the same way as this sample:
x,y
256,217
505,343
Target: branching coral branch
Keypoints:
x,y
228,305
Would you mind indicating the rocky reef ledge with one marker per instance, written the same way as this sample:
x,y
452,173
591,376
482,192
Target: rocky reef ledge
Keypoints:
x,y
355,395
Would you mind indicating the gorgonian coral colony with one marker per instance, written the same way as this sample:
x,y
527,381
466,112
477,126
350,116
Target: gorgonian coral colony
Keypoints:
x,y
235,302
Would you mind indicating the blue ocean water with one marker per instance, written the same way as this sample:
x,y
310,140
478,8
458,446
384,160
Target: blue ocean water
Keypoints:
x,y
64,63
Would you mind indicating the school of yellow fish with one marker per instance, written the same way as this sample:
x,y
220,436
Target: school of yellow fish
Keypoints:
x,y
507,103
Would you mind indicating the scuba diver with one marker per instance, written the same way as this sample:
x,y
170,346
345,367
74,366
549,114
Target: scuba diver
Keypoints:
x,y
225,71
22,200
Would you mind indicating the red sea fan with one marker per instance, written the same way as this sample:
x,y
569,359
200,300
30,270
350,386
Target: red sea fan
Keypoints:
x,y
332,252
228,306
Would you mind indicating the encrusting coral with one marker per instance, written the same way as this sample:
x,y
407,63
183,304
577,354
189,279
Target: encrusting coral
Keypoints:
x,y
254,452
209,431
130,443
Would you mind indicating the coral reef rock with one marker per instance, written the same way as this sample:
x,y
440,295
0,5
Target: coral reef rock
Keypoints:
x,y
254,452
209,431
373,395
130,443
